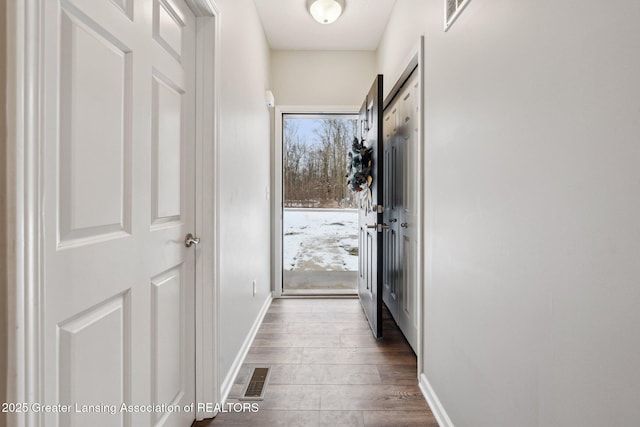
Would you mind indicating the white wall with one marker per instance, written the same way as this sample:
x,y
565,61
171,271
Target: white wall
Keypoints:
x,y
321,77
532,125
244,175
3,218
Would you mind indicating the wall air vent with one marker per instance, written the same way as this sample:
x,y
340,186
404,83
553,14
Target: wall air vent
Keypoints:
x,y
453,9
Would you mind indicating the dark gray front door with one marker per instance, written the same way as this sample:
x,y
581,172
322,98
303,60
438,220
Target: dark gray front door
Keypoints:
x,y
370,217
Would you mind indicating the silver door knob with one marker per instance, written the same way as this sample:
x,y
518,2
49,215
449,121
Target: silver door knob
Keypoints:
x,y
372,225
190,240
404,225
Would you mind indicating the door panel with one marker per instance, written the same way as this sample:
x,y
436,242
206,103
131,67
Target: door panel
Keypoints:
x,y
370,282
408,213
93,147
401,172
118,310
100,333
390,249
167,101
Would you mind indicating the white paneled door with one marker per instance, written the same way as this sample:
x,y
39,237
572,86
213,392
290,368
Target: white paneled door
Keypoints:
x,y
118,307
401,172
408,139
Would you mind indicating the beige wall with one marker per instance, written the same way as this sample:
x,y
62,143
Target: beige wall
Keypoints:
x,y
316,78
310,78
532,119
3,204
244,175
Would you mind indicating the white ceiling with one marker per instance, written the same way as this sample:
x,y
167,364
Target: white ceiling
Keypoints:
x,y
289,26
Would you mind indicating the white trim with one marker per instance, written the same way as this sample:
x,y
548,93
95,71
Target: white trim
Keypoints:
x,y
24,203
203,8
276,185
434,403
228,382
421,206
207,206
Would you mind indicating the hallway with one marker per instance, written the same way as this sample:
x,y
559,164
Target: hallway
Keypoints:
x,y
328,370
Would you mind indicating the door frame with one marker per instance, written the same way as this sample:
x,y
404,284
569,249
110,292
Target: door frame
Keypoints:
x,y
415,61
25,207
424,270
277,201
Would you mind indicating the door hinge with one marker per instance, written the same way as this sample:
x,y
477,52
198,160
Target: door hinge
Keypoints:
x,y
380,208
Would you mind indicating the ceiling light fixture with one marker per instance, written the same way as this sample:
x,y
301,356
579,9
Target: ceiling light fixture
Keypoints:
x,y
325,11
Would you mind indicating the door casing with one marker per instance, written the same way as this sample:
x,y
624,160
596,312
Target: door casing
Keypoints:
x,y
25,203
276,184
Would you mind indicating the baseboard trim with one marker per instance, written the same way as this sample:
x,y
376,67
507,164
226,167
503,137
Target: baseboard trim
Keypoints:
x,y
227,384
434,403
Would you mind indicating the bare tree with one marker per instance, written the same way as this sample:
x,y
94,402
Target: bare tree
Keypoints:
x,y
315,170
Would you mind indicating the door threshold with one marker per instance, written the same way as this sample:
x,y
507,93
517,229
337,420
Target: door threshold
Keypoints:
x,y
319,293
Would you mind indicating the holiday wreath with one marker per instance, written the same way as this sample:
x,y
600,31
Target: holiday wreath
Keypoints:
x,y
359,167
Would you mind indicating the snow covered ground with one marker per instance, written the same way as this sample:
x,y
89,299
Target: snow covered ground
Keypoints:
x,y
320,240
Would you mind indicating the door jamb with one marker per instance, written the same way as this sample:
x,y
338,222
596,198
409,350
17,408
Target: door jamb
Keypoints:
x,y
207,204
424,270
25,51
277,199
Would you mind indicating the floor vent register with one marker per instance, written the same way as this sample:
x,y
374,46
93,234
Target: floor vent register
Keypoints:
x,y
255,388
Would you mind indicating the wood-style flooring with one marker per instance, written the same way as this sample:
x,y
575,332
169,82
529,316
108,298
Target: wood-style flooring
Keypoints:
x,y
328,370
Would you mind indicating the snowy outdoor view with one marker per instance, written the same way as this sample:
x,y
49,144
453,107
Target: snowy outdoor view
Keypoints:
x,y
320,222
320,240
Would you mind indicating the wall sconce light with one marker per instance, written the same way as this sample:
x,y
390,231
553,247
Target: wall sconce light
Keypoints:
x,y
325,11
